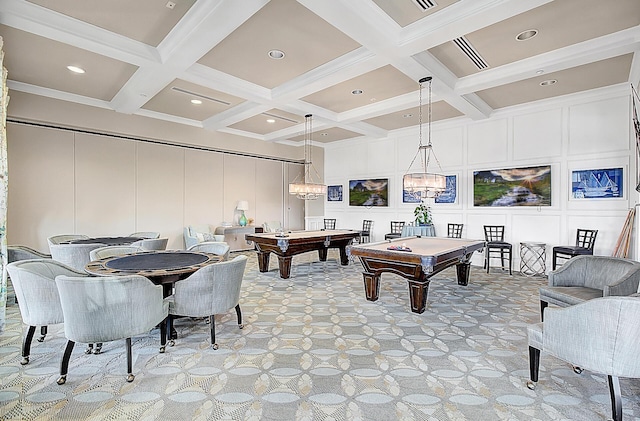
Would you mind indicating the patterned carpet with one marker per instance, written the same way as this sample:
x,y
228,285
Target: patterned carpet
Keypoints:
x,y
314,349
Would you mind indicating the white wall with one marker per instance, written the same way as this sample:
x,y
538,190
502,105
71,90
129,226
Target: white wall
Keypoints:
x,y
65,182
587,131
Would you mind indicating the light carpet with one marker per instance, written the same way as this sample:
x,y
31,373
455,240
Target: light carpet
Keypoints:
x,y
313,348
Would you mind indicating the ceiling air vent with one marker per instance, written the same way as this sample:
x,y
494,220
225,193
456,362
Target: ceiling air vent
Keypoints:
x,y
208,98
425,5
468,50
290,120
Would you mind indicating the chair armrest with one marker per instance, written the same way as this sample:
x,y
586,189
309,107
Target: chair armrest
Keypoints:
x,y
571,274
624,286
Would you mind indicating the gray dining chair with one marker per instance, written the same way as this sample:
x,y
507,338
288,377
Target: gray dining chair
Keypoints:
x,y
35,288
599,335
74,255
111,251
64,238
145,234
152,244
211,290
215,247
104,309
18,252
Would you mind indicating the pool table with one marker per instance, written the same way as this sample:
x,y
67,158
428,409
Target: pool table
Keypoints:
x,y
287,244
417,259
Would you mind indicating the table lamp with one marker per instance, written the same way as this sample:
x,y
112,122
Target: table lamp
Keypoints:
x,y
242,206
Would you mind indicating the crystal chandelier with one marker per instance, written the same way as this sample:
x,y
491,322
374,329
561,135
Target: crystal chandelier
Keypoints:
x,y
424,184
307,188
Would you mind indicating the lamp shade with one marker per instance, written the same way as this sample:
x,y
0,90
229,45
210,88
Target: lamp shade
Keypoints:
x,y
243,205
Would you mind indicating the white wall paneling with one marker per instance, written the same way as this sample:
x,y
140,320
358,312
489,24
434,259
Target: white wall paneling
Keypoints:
x,y
537,135
203,188
599,127
160,190
41,185
105,196
487,142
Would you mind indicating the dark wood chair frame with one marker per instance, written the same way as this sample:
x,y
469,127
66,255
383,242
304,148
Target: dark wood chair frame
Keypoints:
x,y
365,234
454,230
496,246
585,240
329,224
396,230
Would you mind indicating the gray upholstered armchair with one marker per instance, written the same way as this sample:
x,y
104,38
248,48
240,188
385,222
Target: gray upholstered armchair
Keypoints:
x,y
194,234
111,251
587,277
74,255
152,243
599,335
210,290
145,234
109,308
37,294
219,248
17,252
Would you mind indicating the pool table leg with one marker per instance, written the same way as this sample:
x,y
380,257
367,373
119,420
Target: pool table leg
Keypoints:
x,y
463,270
418,292
344,258
322,254
284,262
263,261
371,286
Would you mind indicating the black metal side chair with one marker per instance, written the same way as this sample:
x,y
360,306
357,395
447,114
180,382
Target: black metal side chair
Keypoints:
x,y
396,230
454,230
585,240
365,234
329,224
496,246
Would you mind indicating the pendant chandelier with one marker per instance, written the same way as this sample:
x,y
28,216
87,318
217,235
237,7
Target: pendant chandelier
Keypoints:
x,y
307,188
424,184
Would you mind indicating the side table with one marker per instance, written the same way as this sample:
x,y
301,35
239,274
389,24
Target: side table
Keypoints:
x,y
533,258
234,236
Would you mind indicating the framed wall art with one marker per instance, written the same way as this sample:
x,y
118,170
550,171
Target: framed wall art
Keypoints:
x,y
527,186
597,183
451,193
369,192
334,193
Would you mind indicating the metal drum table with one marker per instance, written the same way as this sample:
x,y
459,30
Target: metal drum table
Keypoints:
x,y
533,258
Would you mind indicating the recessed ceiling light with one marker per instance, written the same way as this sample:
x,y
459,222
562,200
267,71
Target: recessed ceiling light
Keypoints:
x,y
270,120
76,69
407,115
357,91
539,72
548,82
276,54
372,100
528,34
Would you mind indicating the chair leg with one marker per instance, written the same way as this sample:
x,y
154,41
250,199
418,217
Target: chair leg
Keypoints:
x,y
555,256
130,375
212,324
26,345
534,366
616,398
239,314
543,305
486,261
510,263
163,335
43,333
172,342
64,365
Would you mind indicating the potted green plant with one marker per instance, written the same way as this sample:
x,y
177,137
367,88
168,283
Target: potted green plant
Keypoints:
x,y
422,213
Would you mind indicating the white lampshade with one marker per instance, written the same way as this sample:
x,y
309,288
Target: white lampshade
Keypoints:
x,y
243,205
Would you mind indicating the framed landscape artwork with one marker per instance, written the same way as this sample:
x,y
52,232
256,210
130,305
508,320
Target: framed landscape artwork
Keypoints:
x,y
334,193
527,186
597,184
370,192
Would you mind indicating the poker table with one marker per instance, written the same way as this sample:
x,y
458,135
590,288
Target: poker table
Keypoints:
x,y
416,259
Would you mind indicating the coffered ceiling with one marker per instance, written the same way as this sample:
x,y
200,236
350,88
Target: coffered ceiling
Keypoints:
x,y
353,64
